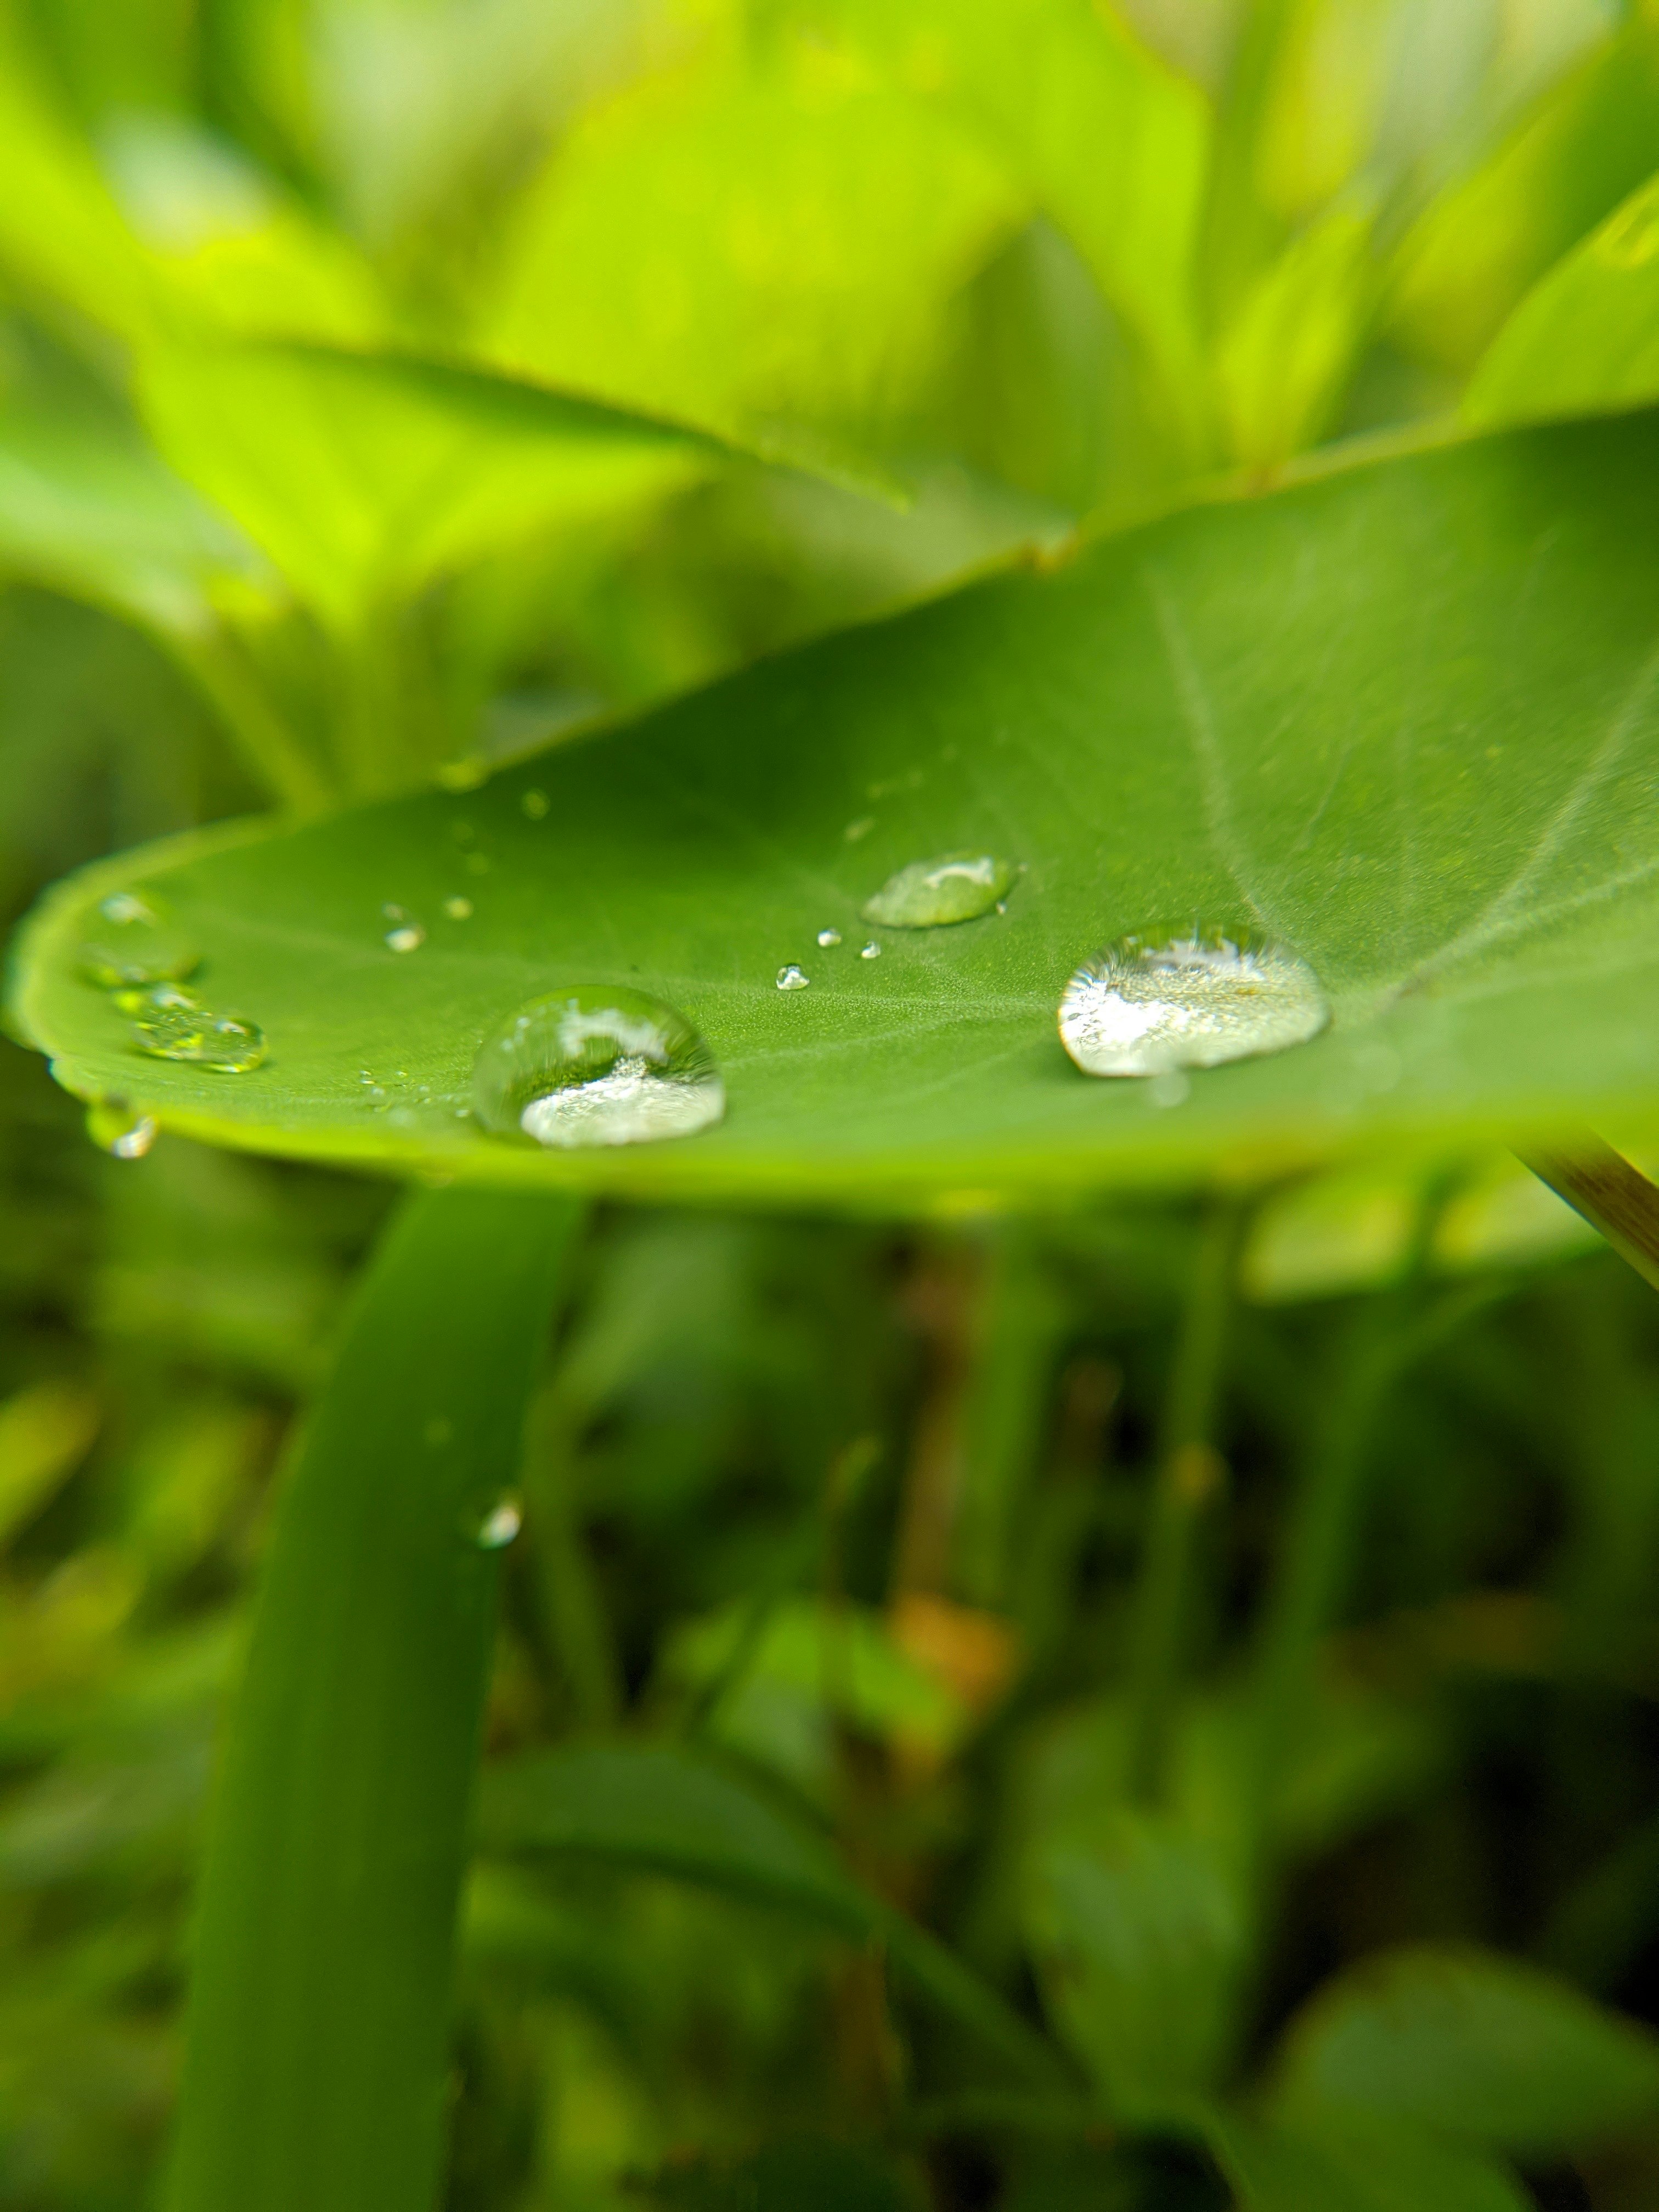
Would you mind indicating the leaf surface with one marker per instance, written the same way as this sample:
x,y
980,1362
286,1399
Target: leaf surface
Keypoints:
x,y
1404,717
1473,2048
1358,2168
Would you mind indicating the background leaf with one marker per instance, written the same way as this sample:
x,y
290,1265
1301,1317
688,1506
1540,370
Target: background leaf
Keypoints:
x,y
1470,2047
1358,2169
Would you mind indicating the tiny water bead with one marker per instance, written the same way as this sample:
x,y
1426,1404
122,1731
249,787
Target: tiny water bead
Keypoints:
x,y
133,942
534,805
597,1065
1165,999
499,1525
829,937
459,909
791,978
932,894
227,1043
406,934
870,951
116,1129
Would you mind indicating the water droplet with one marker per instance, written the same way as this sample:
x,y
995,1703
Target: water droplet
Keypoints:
x,y
870,951
138,997
459,909
1172,1088
114,1128
534,805
478,863
829,937
861,828
225,1042
134,942
1162,999
597,1065
408,937
791,978
929,894
463,775
499,1525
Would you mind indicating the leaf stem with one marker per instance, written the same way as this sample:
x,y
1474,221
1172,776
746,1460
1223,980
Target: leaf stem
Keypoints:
x,y
1612,1196
269,749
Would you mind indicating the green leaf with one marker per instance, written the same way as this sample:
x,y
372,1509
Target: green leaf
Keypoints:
x,y
320,1996
1111,142
797,2173
1357,2168
364,476
1281,366
1471,2047
1405,716
667,1811
761,248
1140,1933
1586,339
1488,239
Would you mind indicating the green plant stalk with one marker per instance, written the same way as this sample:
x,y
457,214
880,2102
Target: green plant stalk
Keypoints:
x,y
319,2005
1188,1476
268,749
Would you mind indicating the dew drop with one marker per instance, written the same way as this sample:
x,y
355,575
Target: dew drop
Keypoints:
x,y
870,951
829,937
1165,999
478,863
459,909
408,937
791,978
499,1525
115,1128
134,942
931,894
861,828
597,1065
534,805
225,1042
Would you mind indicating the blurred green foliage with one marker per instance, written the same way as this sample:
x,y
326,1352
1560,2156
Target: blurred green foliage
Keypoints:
x,y
387,387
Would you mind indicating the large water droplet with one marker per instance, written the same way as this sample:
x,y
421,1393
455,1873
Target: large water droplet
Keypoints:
x,y
929,894
791,978
115,1128
134,941
1162,999
225,1042
596,1065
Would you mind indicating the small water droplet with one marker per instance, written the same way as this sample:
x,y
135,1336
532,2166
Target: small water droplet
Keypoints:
x,y
225,1042
463,775
138,997
932,894
861,828
499,1525
478,863
1164,1000
459,909
408,937
115,1128
791,978
534,805
393,913
829,937
870,951
597,1065
1172,1088
133,943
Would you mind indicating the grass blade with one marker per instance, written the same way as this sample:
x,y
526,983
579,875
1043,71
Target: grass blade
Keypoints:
x,y
320,2003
